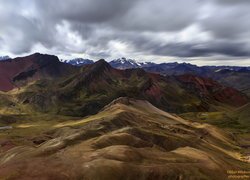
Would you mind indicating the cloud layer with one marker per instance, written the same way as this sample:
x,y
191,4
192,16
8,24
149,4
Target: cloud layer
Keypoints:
x,y
198,30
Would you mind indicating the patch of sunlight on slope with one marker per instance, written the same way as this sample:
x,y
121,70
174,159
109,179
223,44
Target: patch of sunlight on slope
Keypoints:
x,y
198,155
216,132
147,108
99,116
26,125
142,107
233,154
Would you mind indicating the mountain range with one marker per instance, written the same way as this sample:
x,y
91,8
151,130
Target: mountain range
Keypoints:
x,y
66,120
94,85
234,76
124,63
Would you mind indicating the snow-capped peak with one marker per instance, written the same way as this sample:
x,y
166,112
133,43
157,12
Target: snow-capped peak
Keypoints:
x,y
124,63
79,61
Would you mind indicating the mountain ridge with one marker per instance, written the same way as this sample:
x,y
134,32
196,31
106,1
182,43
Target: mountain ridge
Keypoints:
x,y
91,87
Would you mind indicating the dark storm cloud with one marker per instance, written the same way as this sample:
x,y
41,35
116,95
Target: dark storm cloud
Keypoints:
x,y
85,11
228,21
188,49
19,31
139,15
232,2
160,15
203,50
101,28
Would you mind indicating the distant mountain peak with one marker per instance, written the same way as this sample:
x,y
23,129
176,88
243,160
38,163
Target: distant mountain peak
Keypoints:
x,y
79,61
4,58
124,60
124,63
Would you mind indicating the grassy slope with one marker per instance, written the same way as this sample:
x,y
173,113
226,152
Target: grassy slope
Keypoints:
x,y
235,119
238,80
235,122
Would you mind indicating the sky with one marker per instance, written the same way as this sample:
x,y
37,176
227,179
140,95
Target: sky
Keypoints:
x,y
202,32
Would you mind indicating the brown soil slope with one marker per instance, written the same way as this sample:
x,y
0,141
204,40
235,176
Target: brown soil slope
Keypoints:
x,y
128,139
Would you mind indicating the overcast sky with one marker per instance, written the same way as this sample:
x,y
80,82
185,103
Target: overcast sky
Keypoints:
x,y
196,31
